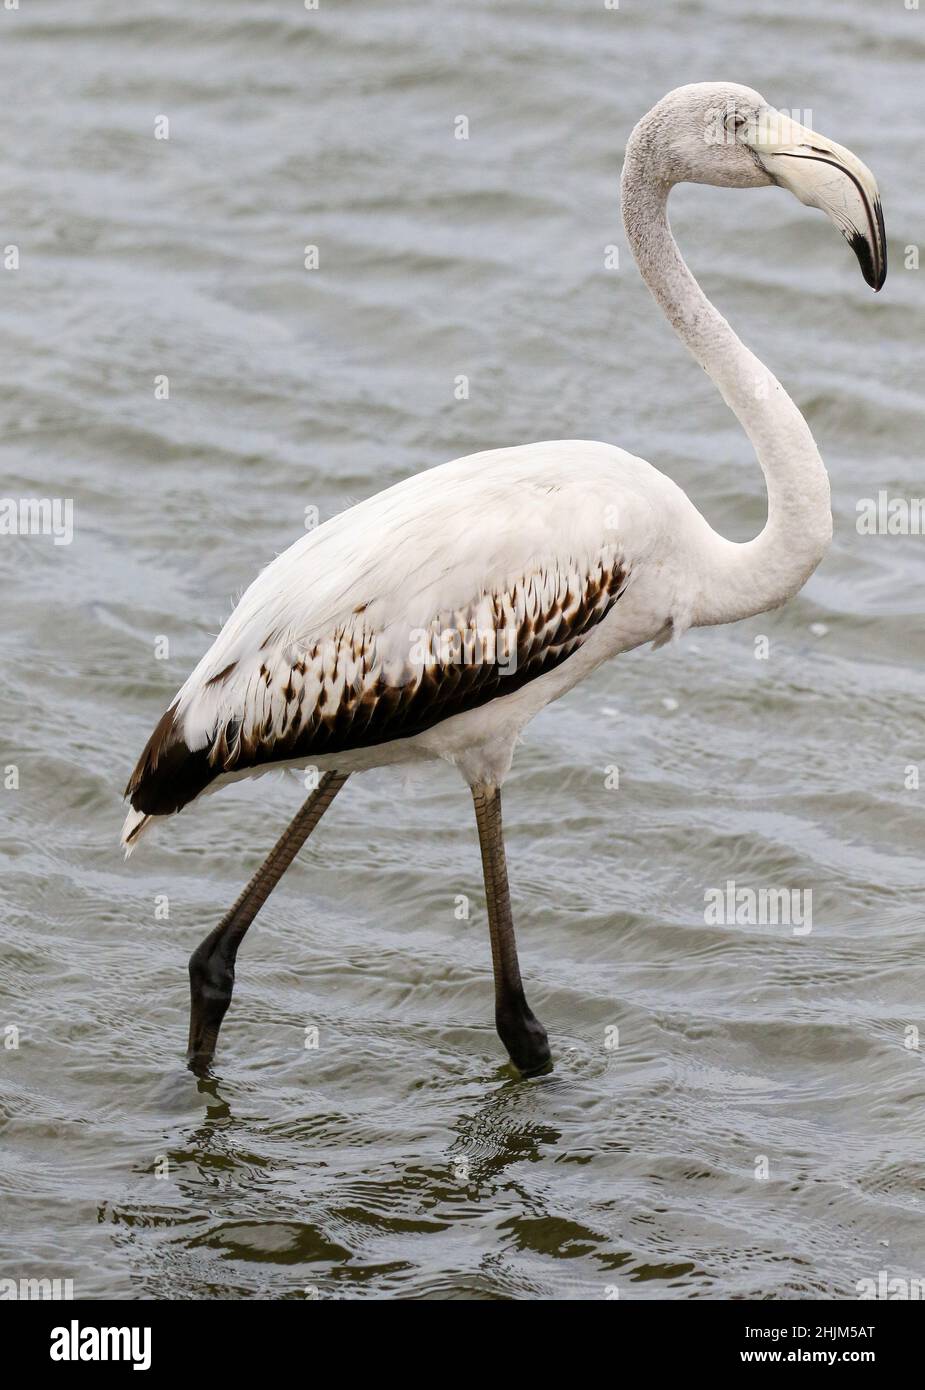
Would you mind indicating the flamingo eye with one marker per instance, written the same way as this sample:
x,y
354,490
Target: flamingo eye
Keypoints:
x,y
734,122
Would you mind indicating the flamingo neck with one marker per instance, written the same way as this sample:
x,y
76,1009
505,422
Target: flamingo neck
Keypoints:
x,y
736,580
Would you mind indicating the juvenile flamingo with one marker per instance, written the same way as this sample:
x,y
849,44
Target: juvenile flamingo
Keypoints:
x,y
436,618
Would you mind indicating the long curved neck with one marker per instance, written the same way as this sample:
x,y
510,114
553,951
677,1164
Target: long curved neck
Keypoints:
x,y
737,580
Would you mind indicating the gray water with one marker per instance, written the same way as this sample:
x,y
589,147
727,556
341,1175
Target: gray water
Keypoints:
x,y
400,1157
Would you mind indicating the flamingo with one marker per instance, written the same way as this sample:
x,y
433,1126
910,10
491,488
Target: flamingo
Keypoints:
x,y
434,619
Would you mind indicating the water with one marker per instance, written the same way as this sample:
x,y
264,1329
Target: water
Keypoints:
x,y
400,1158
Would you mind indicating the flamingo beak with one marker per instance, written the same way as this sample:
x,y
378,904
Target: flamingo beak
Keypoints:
x,y
827,176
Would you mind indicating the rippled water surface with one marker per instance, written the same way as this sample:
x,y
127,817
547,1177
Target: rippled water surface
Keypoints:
x,y
400,1158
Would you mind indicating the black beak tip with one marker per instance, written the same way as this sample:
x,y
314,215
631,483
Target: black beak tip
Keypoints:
x,y
873,267
881,233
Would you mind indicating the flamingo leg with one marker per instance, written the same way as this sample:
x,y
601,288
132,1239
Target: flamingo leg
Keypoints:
x,y
211,966
521,1032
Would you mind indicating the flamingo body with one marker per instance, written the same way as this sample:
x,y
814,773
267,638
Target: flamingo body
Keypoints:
x,y
436,618
342,651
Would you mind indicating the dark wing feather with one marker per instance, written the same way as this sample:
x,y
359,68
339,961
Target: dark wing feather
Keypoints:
x,y
551,620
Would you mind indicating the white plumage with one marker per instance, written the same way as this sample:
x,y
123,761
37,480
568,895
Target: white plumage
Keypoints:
x,y
436,618
336,614
352,601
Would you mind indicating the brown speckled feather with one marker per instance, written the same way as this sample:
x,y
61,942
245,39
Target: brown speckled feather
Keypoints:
x,y
345,692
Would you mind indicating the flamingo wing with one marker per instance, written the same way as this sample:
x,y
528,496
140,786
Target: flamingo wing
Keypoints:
x,y
450,590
